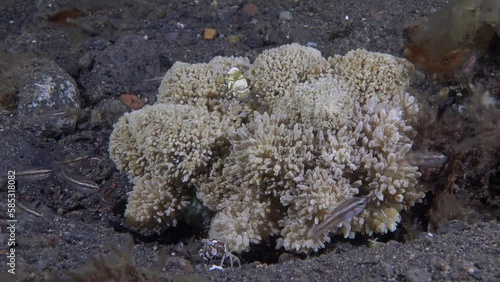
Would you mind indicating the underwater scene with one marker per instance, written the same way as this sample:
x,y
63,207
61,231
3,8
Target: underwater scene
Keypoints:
x,y
232,140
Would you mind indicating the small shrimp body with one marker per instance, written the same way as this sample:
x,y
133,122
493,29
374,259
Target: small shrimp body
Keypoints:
x,y
213,249
237,83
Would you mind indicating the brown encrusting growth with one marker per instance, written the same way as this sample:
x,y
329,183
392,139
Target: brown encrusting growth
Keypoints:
x,y
452,39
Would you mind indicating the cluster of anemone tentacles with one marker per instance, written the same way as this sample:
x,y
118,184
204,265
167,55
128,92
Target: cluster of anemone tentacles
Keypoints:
x,y
312,133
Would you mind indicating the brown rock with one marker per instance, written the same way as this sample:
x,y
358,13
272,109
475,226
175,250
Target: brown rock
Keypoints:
x,y
251,9
209,33
131,101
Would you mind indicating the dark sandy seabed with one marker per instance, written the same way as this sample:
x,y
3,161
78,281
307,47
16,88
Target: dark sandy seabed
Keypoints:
x,y
124,47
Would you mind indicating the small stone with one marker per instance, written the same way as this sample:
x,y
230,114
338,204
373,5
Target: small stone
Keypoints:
x,y
49,101
106,113
285,257
172,36
85,62
286,15
455,225
386,270
131,101
8,97
312,44
209,33
416,274
233,39
254,41
471,270
442,266
251,9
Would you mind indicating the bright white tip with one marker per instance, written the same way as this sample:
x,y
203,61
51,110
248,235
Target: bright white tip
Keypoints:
x,y
233,70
